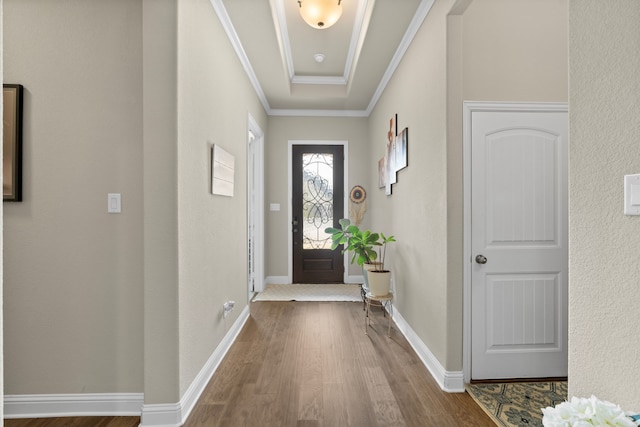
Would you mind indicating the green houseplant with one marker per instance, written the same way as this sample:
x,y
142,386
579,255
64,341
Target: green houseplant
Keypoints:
x,y
369,251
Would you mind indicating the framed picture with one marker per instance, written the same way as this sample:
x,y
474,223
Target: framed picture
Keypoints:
x,y
392,177
222,171
401,149
391,150
382,173
12,143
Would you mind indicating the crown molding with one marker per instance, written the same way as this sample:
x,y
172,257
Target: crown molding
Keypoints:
x,y
319,80
223,16
318,113
422,12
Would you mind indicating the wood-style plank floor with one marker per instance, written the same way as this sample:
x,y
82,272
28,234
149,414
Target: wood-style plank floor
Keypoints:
x,y
309,364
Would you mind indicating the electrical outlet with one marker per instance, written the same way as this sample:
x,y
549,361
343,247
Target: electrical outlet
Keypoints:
x,y
227,308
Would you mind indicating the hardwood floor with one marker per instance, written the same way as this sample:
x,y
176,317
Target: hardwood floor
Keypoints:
x,y
309,364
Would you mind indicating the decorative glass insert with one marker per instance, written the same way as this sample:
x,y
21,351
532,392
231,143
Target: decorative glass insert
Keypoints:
x,y
317,200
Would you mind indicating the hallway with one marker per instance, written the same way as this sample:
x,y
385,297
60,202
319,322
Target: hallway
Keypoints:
x,y
310,364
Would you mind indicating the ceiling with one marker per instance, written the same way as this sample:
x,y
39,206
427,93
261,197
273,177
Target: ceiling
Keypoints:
x,y
361,52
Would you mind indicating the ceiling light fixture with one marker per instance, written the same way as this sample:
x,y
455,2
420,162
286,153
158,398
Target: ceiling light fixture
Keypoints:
x,y
320,13
318,57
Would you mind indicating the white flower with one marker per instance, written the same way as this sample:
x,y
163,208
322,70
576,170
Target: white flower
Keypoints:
x,y
581,412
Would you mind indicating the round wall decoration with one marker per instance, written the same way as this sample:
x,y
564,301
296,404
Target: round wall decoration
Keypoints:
x,y
358,207
357,194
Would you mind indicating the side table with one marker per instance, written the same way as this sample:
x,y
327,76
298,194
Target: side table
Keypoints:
x,y
383,301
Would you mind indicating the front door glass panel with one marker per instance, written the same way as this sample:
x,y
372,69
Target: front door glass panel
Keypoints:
x,y
317,200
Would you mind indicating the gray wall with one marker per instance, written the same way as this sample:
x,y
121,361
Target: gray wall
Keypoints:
x,y
213,106
75,285
477,53
100,303
73,273
281,131
604,246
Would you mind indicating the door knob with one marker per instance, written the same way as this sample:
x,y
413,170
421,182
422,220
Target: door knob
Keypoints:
x,y
481,259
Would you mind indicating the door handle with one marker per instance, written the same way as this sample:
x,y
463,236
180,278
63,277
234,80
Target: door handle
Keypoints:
x,y
481,259
294,223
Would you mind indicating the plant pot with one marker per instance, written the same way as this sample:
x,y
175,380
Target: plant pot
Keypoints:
x,y
379,282
366,268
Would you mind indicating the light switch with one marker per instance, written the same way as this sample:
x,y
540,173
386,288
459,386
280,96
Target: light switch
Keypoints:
x,y
274,207
114,204
635,194
632,194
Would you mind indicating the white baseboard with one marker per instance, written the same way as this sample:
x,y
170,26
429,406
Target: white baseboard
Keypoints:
x,y
276,280
284,280
191,396
449,381
174,415
72,405
354,279
124,404
162,415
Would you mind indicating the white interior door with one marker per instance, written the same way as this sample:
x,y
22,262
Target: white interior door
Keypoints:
x,y
518,244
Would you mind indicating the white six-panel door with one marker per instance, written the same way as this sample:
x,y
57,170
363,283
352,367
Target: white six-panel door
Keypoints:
x,y
518,244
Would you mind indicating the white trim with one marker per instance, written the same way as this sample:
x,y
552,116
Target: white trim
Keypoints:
x,y
225,20
354,279
319,80
161,415
258,150
358,35
176,414
449,381
282,31
285,46
125,404
284,280
318,113
276,280
191,396
72,405
414,26
345,180
468,108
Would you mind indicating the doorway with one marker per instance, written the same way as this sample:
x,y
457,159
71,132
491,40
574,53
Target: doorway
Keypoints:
x,y
516,255
255,207
317,202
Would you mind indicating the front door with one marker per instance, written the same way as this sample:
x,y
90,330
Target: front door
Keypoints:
x,y
318,193
519,244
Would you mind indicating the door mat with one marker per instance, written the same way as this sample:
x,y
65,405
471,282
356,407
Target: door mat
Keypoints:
x,y
518,404
328,292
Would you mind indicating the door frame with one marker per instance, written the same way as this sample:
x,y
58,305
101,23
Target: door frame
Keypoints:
x,y
256,169
345,145
469,107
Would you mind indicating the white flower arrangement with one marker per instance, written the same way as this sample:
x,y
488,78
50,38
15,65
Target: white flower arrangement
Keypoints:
x,y
581,412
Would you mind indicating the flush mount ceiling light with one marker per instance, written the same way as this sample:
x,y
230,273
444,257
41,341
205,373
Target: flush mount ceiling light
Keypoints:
x,y
320,13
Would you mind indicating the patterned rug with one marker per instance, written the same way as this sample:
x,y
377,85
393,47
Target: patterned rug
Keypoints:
x,y
329,292
518,404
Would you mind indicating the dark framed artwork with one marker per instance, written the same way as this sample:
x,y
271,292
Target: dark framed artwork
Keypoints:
x,y
12,142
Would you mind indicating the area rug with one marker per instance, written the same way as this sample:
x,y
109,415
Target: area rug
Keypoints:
x,y
518,404
328,292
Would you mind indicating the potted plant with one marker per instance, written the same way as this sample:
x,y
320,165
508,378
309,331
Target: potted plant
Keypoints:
x,y
378,278
363,244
